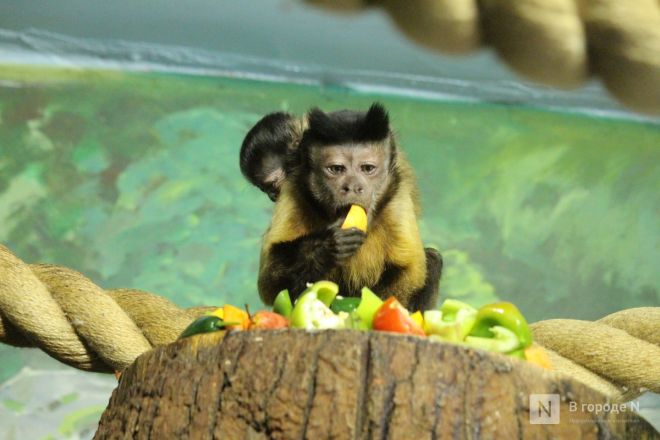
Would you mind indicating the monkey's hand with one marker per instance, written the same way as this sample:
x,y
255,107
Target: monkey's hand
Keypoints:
x,y
343,243
308,258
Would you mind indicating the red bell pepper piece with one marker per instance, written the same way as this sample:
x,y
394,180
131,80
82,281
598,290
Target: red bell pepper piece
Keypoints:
x,y
393,317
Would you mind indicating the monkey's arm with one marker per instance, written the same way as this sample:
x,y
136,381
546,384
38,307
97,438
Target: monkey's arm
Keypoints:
x,y
293,255
405,272
405,279
291,264
294,263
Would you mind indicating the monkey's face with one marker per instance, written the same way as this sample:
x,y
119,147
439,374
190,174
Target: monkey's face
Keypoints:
x,y
345,175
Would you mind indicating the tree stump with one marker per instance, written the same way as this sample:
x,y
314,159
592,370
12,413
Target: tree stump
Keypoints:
x,y
294,384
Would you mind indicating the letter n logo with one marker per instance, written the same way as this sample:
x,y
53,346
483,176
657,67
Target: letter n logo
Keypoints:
x,y
544,409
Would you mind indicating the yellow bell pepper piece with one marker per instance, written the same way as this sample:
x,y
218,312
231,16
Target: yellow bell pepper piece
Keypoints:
x,y
418,318
234,314
219,312
538,356
356,218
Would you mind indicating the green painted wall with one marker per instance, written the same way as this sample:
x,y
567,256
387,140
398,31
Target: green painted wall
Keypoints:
x,y
133,180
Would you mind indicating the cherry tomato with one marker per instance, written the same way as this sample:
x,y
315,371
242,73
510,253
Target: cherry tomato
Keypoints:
x,y
268,320
393,317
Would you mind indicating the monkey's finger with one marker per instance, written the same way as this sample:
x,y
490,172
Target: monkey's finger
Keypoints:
x,y
352,233
349,244
350,241
347,251
351,237
336,225
355,231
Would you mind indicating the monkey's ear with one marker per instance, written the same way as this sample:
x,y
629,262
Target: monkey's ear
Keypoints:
x,y
323,128
265,148
376,123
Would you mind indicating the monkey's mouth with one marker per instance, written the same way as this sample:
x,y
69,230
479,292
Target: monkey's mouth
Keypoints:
x,y
343,210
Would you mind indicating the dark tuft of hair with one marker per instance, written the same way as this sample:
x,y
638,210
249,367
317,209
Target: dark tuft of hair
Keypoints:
x,y
271,135
347,126
376,124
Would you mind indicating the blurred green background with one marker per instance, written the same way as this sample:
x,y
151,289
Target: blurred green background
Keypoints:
x,y
133,180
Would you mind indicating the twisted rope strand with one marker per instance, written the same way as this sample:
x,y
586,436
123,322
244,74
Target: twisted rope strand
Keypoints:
x,y
560,43
63,313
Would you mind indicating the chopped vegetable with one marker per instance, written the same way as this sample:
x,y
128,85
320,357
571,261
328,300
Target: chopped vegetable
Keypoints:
x,y
502,314
268,320
205,324
393,317
451,307
538,356
498,327
369,305
219,312
325,291
311,313
347,305
519,353
355,322
238,316
445,331
356,218
502,341
418,318
452,322
283,304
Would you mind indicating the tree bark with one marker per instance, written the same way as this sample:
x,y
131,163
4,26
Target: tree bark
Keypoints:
x,y
294,384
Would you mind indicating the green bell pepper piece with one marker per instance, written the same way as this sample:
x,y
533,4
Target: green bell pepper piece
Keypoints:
x,y
453,322
311,313
502,314
369,305
451,307
519,353
326,291
205,324
355,322
503,340
282,304
347,305
454,330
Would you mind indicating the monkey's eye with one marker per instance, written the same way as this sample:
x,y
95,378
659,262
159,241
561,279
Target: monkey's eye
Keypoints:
x,y
368,168
336,169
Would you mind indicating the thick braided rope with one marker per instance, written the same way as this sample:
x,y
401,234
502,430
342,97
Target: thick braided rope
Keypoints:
x,y
556,42
619,355
78,323
66,315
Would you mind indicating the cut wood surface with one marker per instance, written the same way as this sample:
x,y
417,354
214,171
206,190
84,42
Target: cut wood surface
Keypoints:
x,y
294,384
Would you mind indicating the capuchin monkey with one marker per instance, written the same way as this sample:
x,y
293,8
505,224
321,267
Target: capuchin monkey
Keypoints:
x,y
314,169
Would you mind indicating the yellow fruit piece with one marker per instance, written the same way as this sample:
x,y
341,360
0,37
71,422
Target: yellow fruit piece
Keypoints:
x,y
418,318
538,356
220,313
234,314
356,218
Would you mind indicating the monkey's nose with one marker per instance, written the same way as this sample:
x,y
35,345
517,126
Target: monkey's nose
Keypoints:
x,y
357,189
